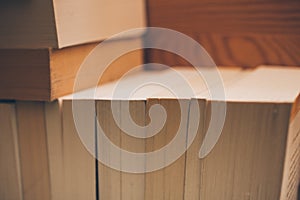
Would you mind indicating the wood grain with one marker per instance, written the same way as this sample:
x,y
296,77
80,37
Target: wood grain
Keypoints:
x,y
245,33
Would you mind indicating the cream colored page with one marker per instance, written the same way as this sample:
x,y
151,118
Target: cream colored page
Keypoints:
x,y
291,167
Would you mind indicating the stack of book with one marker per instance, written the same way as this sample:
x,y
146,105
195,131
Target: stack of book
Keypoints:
x,y
229,134
43,43
42,46
255,155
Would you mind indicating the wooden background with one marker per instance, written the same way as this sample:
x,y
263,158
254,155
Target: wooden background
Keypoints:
x,y
234,32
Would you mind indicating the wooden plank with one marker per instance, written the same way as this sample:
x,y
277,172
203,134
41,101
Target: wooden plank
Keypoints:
x,y
244,33
231,16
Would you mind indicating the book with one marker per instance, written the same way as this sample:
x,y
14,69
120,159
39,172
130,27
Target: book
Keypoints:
x,y
78,163
165,183
193,163
54,130
10,173
55,24
47,74
33,155
114,183
132,185
168,182
41,154
256,155
119,177
109,178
